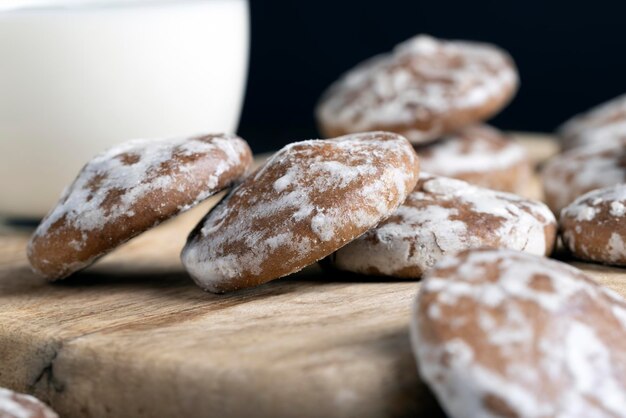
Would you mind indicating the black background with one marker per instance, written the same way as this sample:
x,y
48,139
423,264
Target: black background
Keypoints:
x,y
571,55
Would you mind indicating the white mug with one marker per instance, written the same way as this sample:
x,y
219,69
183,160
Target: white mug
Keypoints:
x,y
78,76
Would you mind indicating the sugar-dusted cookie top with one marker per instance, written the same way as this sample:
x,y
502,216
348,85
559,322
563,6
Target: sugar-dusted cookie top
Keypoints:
x,y
308,200
423,89
16,405
129,189
593,226
499,333
481,155
443,216
603,124
580,170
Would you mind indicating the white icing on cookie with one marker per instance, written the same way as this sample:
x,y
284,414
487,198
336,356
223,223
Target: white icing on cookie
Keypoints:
x,y
618,208
412,87
580,170
84,208
603,124
478,149
443,216
13,405
519,335
611,134
130,188
585,207
592,225
305,202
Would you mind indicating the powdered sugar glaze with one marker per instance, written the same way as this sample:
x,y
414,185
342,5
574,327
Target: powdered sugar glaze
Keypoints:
x,y
580,170
160,176
443,216
587,206
593,225
13,405
309,199
477,148
421,79
503,333
136,168
604,124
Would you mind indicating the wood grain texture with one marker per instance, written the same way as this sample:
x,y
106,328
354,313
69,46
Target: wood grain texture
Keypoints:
x,y
133,337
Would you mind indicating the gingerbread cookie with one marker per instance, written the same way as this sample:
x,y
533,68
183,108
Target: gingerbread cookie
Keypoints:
x,y
308,200
604,124
443,216
16,405
424,89
593,226
479,155
499,333
129,189
580,170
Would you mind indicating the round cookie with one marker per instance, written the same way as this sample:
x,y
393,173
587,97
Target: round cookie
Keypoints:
x,y
308,200
611,134
580,170
424,89
593,226
479,155
16,405
443,216
604,124
131,188
499,333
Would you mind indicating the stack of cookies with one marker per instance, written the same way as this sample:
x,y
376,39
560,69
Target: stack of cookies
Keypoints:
x,y
586,183
356,201
436,94
498,330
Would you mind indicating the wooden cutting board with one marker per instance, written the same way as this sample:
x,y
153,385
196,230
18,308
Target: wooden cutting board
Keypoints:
x,y
134,337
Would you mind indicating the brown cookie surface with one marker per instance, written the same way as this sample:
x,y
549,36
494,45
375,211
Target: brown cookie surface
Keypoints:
x,y
593,226
578,171
499,333
480,155
16,405
129,189
604,124
443,216
308,200
423,89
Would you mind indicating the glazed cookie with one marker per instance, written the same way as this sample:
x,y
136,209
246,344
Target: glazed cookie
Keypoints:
x,y
499,333
443,216
604,124
480,155
15,405
129,189
424,89
593,226
580,170
308,200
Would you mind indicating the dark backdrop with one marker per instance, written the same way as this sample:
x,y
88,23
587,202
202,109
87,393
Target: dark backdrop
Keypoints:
x,y
571,55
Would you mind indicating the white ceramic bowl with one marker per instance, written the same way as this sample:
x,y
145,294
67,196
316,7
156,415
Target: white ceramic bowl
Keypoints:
x,y
78,76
